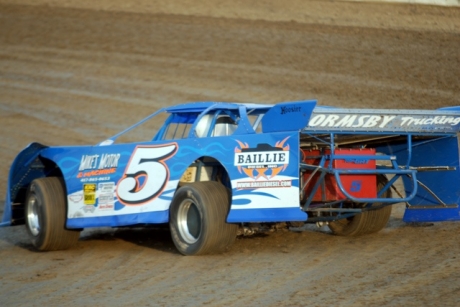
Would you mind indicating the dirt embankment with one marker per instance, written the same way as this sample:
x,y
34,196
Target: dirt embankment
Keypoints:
x,y
76,72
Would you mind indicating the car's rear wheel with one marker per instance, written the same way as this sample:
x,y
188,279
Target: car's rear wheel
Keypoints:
x,y
45,214
367,222
198,219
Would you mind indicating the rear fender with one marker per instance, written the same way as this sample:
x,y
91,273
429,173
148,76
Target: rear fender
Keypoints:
x,y
444,184
264,173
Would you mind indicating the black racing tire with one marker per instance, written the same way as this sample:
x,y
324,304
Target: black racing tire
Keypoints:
x,y
45,215
198,215
367,222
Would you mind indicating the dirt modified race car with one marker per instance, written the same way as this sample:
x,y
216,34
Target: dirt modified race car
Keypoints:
x,y
217,170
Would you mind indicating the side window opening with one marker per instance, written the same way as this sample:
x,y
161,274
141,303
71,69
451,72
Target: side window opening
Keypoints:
x,y
256,122
220,123
202,128
176,131
179,126
225,125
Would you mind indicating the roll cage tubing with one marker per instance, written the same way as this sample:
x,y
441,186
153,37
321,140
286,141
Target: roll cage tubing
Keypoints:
x,y
395,169
202,108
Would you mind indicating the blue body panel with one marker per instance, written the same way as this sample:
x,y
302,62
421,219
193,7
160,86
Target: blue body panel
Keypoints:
x,y
95,177
128,184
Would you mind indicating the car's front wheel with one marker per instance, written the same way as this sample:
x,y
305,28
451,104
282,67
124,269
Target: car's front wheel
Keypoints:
x,y
45,214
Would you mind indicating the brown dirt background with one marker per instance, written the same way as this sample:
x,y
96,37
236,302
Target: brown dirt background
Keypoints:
x,y
74,72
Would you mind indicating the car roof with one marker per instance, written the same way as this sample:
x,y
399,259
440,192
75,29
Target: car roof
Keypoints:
x,y
201,106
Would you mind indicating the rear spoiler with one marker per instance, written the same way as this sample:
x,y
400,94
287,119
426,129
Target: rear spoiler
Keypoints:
x,y
288,116
419,146
441,121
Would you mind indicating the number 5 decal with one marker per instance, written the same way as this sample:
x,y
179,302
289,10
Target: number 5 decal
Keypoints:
x,y
146,174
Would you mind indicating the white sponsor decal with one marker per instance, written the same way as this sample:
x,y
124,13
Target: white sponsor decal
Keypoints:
x,y
106,201
106,187
108,206
261,158
379,121
351,121
103,161
106,198
264,184
76,197
437,120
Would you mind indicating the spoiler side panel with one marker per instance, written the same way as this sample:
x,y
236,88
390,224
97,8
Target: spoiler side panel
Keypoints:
x,y
288,116
438,191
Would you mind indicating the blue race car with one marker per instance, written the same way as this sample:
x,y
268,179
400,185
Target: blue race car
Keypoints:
x,y
217,170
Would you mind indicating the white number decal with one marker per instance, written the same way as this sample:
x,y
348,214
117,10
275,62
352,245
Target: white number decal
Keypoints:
x,y
146,174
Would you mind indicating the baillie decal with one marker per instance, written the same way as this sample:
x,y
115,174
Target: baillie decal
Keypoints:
x,y
98,165
262,164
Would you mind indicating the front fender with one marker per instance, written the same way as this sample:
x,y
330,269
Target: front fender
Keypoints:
x,y
24,169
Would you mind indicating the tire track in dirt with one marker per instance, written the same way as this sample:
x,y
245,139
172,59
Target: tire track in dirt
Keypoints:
x,y
72,76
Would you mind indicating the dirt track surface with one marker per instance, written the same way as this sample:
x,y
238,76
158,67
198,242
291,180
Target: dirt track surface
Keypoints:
x,y
77,75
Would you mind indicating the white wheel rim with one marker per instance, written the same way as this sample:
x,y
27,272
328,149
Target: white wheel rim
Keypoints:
x,y
32,215
189,221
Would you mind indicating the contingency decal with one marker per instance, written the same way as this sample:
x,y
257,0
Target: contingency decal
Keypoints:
x,y
95,172
106,195
262,164
89,194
